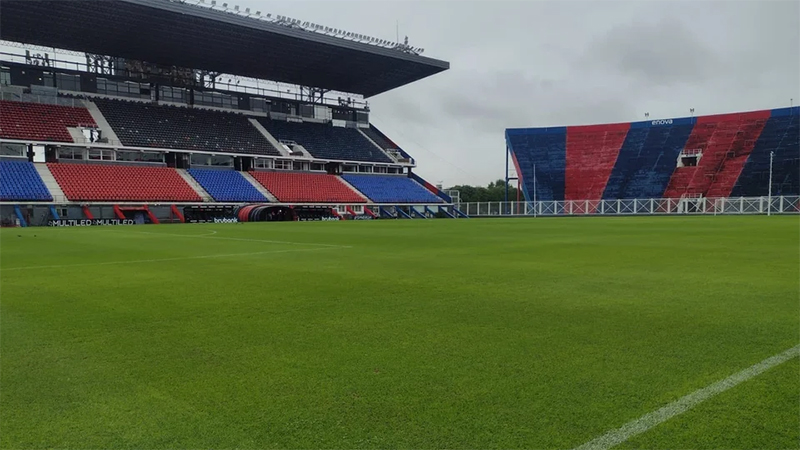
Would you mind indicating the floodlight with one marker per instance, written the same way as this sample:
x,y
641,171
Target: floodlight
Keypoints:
x,y
269,15
258,13
225,5
213,2
247,10
236,8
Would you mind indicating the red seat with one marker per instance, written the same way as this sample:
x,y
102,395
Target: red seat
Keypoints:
x,y
35,121
307,187
122,183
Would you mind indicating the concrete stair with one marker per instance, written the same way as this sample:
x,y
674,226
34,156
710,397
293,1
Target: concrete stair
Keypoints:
x,y
50,183
195,185
376,145
106,132
350,186
274,142
259,187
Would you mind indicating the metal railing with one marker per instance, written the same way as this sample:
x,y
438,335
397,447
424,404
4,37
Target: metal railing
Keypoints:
x,y
788,204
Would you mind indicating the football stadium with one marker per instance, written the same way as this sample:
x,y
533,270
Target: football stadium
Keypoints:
x,y
640,288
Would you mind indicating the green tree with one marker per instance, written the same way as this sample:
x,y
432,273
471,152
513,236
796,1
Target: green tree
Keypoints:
x,y
495,191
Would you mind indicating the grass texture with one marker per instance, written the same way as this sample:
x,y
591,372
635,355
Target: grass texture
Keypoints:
x,y
493,333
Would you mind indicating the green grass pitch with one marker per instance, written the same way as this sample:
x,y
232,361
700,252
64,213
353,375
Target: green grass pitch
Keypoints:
x,y
493,333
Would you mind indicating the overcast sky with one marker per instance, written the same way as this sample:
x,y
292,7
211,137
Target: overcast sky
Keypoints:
x,y
546,63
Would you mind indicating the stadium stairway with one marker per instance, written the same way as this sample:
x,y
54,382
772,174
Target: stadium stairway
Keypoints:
x,y
122,183
201,192
390,189
270,138
259,187
41,122
326,141
105,128
381,149
354,189
433,189
50,182
226,185
299,187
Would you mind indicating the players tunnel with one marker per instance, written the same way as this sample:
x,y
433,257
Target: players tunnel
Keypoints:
x,y
265,213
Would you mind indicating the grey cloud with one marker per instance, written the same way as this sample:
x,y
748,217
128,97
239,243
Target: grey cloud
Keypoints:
x,y
667,52
548,63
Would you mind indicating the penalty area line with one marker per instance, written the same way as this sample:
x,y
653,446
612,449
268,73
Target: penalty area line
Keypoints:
x,y
181,258
683,404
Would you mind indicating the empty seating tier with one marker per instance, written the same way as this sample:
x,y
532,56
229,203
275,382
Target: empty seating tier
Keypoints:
x,y
19,180
781,136
227,185
591,154
40,122
151,125
709,156
90,182
307,187
391,189
542,151
326,141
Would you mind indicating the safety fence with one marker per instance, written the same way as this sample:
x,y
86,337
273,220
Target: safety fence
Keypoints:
x,y
789,204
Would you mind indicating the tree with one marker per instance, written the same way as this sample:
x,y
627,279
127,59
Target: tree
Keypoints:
x,y
493,192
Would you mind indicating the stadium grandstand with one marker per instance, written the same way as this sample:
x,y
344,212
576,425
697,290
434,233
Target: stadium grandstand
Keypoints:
x,y
679,162
144,128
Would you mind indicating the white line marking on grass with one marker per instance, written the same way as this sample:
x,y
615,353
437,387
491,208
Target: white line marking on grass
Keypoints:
x,y
182,258
683,404
208,236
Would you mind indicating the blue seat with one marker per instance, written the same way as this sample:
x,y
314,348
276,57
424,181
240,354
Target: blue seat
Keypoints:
x,y
227,185
19,180
391,189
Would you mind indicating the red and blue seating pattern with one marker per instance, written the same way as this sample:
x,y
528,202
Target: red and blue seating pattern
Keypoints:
x,y
640,159
109,183
19,180
307,187
391,189
41,122
227,185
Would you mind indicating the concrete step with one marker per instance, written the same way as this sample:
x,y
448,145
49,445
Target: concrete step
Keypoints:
x,y
376,145
50,183
105,128
274,142
259,187
195,185
354,189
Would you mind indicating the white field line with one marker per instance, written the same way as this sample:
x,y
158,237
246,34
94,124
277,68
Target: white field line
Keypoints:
x,y
683,404
210,236
181,258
